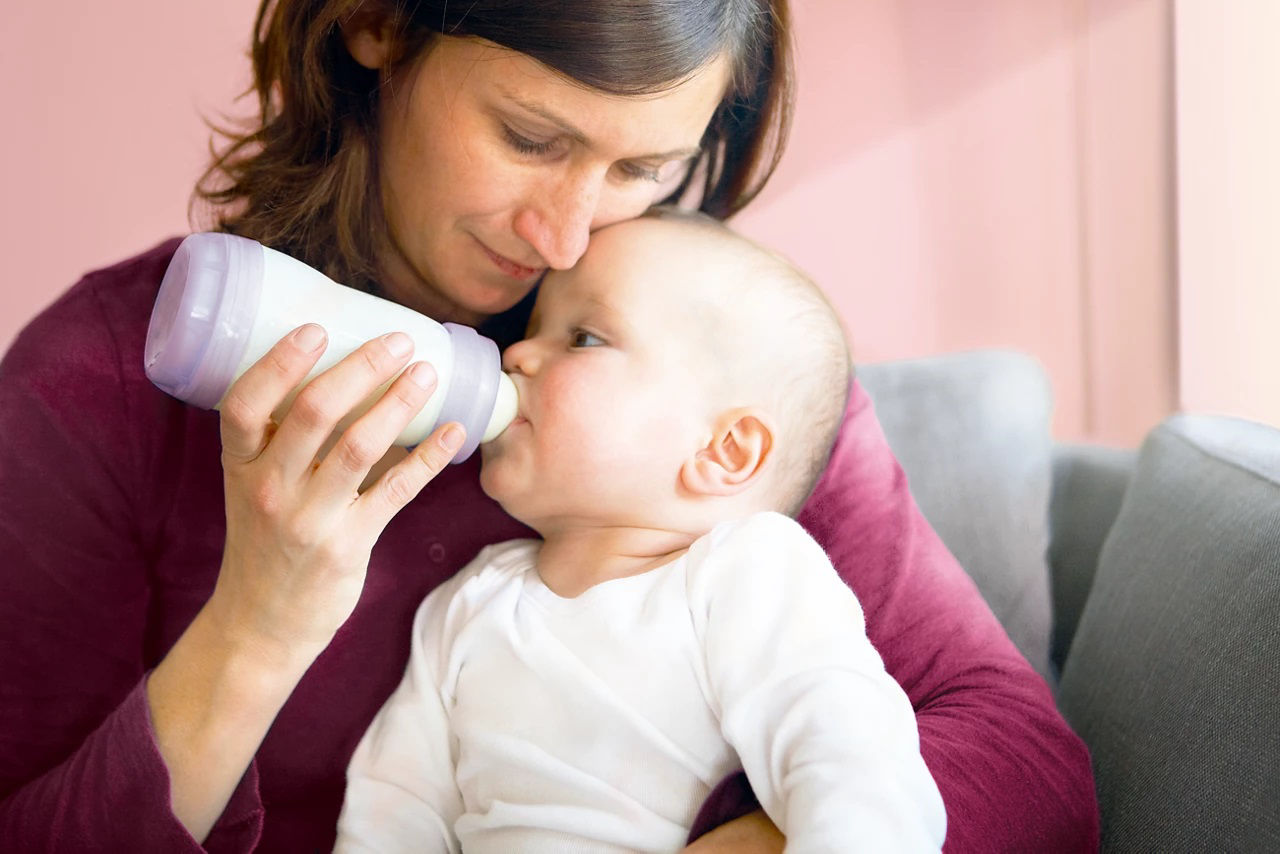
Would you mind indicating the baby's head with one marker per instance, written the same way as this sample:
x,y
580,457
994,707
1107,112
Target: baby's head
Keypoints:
x,y
678,376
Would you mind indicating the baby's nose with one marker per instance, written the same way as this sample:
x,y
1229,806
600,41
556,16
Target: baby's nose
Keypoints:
x,y
517,358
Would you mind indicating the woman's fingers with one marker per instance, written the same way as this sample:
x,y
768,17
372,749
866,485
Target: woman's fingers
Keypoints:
x,y
406,478
329,398
298,538
365,442
247,406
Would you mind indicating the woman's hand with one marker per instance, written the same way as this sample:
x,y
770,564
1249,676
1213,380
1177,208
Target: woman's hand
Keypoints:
x,y
299,535
299,532
752,833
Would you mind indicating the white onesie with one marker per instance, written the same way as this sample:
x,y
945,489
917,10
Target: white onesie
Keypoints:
x,y
527,722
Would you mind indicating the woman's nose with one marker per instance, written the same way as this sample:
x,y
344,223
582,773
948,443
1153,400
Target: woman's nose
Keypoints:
x,y
557,222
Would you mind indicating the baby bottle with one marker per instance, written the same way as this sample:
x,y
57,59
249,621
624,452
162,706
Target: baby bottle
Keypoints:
x,y
225,300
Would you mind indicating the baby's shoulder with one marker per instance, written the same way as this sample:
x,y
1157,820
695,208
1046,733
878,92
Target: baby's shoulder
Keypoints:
x,y
496,572
751,549
494,567
766,530
762,566
504,560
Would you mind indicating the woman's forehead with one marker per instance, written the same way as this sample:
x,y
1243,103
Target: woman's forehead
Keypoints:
x,y
663,125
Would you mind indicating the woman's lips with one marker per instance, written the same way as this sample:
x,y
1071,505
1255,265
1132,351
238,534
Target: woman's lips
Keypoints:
x,y
506,265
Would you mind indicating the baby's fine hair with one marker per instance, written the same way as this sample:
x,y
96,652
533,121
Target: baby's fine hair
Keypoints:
x,y
807,361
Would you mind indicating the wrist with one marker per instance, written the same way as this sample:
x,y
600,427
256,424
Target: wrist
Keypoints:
x,y
211,700
262,645
219,680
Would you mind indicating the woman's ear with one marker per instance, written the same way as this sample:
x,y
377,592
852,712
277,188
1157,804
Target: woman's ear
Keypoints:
x,y
734,458
368,36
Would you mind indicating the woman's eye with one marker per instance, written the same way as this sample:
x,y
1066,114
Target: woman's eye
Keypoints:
x,y
660,174
523,144
641,173
583,338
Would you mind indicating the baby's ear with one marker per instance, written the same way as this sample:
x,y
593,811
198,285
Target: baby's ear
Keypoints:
x,y
734,458
368,36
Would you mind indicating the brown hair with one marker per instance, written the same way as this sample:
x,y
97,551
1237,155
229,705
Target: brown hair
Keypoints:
x,y
302,177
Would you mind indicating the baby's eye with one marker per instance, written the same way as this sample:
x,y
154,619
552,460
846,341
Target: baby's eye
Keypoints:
x,y
583,338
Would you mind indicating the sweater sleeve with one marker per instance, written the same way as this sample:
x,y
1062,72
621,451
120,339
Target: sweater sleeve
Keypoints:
x,y
1012,774
826,737
79,766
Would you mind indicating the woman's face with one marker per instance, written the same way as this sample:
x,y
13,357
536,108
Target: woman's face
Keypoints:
x,y
494,168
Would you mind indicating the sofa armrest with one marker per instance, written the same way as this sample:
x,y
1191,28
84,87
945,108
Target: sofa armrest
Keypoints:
x,y
1089,482
1173,679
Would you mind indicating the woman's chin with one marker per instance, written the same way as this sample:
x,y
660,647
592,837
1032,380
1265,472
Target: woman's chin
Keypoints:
x,y
487,299
473,297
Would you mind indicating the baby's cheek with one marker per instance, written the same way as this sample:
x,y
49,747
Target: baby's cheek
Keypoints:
x,y
572,402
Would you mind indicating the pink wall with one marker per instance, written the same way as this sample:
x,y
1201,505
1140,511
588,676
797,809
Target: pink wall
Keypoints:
x,y
1228,75
103,138
987,173
992,173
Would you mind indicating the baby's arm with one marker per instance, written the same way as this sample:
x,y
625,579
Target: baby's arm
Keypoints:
x,y
827,738
401,790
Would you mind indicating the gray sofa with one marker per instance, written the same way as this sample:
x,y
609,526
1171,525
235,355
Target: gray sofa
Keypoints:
x,y
1143,583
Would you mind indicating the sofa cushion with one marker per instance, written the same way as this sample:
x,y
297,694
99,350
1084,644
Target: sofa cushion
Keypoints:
x,y
971,431
1089,482
1173,678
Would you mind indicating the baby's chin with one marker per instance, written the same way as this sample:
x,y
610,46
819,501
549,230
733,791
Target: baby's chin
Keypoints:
x,y
489,483
492,484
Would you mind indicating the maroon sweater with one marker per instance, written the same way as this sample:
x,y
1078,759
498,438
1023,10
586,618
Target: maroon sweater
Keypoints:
x,y
111,534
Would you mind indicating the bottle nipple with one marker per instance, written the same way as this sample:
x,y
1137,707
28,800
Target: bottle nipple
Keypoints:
x,y
504,409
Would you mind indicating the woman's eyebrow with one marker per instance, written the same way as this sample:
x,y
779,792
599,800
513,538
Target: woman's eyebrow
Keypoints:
x,y
570,130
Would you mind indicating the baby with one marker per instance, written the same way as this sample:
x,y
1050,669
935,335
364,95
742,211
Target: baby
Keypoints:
x,y
680,389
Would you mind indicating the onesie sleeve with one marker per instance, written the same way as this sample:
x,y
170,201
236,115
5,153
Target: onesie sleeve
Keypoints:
x,y
79,767
402,793
1013,775
826,737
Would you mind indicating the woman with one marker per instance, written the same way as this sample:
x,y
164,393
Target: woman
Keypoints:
x,y
183,665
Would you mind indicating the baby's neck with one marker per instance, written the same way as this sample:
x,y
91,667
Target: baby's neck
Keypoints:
x,y
575,558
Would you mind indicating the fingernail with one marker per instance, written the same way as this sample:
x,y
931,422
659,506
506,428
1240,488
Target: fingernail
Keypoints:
x,y
308,337
422,375
398,343
451,439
